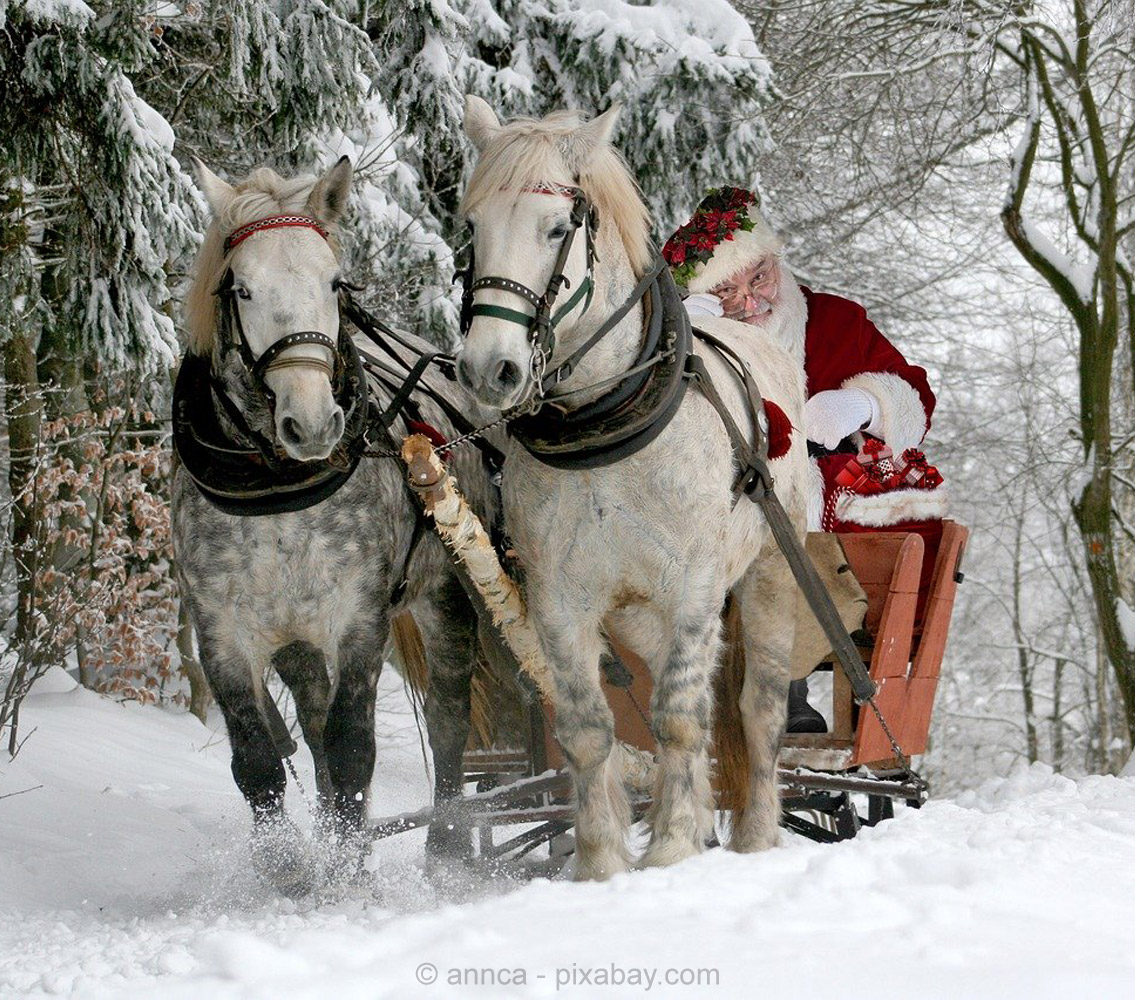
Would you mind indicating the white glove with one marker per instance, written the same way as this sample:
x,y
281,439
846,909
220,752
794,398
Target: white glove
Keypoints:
x,y
703,304
831,415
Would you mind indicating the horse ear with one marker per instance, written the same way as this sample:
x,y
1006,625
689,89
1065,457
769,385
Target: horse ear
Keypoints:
x,y
592,136
481,122
328,199
217,192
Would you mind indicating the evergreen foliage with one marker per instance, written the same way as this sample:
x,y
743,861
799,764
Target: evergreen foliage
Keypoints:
x,y
97,204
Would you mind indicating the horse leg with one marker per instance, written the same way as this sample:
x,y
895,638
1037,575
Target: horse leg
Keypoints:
x,y
681,815
448,625
348,738
585,728
278,853
768,597
303,668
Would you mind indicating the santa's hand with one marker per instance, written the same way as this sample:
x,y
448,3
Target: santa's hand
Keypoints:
x,y
831,415
703,305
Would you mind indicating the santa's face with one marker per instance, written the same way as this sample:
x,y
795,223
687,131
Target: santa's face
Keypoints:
x,y
751,295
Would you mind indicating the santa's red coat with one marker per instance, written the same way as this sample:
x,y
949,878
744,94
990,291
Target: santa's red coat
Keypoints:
x,y
842,346
841,342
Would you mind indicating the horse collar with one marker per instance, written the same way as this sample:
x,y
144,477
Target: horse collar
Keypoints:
x,y
242,472
636,410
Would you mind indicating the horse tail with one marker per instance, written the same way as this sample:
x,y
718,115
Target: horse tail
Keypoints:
x,y
485,686
484,694
730,748
411,654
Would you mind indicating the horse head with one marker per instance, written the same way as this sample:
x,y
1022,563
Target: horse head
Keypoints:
x,y
265,300
556,218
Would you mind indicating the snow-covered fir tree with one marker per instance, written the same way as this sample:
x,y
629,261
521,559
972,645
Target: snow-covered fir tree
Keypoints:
x,y
97,204
689,76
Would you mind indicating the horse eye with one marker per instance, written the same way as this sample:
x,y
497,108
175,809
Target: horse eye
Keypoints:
x,y
242,292
336,284
558,233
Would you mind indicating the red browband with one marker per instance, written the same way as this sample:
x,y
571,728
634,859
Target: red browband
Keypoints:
x,y
563,190
238,236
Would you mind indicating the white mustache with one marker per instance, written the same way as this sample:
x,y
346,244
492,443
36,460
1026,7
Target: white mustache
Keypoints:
x,y
763,308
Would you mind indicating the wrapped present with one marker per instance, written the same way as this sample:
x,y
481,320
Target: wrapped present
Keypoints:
x,y
875,491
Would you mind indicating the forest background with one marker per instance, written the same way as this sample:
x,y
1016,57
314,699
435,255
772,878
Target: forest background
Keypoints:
x,y
961,167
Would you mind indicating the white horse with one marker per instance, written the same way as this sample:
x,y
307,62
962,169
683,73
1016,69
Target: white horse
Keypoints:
x,y
647,547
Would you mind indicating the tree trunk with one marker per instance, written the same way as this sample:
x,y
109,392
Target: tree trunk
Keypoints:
x,y
1094,519
24,410
1057,718
23,405
1024,668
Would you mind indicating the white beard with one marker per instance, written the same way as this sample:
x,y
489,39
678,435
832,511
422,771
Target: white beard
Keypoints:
x,y
789,317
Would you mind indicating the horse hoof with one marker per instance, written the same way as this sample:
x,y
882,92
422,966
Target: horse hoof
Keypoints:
x,y
599,867
668,851
750,842
280,858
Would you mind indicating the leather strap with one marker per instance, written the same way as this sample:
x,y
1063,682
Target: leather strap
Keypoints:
x,y
756,482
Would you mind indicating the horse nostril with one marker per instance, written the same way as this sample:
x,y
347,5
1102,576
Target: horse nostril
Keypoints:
x,y
290,431
508,375
335,426
463,374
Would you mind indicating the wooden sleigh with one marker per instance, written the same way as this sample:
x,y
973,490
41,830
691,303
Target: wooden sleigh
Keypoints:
x,y
529,786
821,775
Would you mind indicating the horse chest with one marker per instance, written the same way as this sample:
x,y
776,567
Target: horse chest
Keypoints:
x,y
279,578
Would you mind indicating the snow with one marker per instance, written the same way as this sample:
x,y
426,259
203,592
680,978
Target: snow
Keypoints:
x,y
152,124
124,872
65,11
1126,616
703,32
1079,276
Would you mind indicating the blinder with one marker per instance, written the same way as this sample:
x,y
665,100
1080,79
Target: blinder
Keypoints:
x,y
232,336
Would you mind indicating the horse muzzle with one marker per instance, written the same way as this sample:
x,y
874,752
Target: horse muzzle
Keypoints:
x,y
495,379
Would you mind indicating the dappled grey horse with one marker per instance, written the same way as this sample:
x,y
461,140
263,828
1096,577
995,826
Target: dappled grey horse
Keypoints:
x,y
304,549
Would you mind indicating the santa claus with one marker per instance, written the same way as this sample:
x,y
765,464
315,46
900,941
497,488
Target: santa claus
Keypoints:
x,y
867,408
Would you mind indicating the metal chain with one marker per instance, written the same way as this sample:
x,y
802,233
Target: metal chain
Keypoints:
x,y
299,785
903,759
449,445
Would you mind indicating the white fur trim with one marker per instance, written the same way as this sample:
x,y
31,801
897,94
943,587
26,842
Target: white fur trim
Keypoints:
x,y
880,510
703,304
815,509
902,422
731,256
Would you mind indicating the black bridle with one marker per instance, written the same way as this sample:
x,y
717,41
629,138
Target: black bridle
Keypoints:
x,y
541,325
238,468
231,328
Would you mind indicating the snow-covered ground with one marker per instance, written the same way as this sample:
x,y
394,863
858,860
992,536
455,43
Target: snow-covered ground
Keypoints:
x,y
124,872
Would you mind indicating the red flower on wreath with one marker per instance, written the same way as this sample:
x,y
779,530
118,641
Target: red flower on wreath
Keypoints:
x,y
721,213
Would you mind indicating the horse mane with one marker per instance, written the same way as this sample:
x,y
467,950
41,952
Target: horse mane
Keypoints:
x,y
262,193
531,151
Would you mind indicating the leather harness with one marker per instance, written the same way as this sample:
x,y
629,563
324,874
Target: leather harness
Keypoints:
x,y
237,468
644,399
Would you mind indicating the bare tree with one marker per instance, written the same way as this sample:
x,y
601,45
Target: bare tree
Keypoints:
x,y
1073,68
